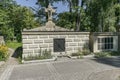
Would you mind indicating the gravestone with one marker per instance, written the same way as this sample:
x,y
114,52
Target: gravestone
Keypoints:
x,y
2,40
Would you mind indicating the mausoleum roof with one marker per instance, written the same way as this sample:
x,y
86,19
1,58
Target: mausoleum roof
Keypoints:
x,y
50,25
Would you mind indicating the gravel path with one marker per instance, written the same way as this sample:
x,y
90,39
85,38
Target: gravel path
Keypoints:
x,y
105,75
81,69
6,65
64,69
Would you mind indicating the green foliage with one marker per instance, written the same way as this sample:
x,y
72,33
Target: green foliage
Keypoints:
x,y
46,54
83,52
79,54
84,15
75,54
24,19
15,18
41,15
66,20
3,52
5,20
107,54
102,15
102,54
14,45
86,51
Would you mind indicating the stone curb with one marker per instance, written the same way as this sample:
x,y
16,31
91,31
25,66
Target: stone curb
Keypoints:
x,y
38,61
78,57
54,59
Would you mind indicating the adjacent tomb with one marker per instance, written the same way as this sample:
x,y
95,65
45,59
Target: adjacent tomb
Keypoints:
x,y
104,41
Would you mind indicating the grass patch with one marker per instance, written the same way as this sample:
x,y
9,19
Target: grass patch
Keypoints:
x,y
17,46
14,45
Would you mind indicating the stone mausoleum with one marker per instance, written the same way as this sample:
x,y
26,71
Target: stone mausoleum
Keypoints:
x,y
63,41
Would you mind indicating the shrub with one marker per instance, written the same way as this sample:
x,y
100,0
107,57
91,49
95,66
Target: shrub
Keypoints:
x,y
114,53
107,54
46,54
85,51
101,54
3,52
75,54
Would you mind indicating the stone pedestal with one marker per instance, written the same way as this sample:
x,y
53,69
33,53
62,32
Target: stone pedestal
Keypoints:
x,y
2,40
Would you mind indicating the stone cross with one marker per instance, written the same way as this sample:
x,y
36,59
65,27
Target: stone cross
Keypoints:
x,y
49,10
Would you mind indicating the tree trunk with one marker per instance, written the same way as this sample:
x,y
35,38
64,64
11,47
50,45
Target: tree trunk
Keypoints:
x,y
70,6
78,17
78,22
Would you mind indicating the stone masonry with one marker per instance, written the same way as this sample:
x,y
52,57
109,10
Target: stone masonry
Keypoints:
x,y
41,38
1,40
33,42
94,42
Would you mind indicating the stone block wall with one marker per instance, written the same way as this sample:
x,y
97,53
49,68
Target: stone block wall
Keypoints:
x,y
33,42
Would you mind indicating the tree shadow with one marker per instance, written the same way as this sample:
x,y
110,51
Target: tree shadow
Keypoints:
x,y
113,61
17,53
